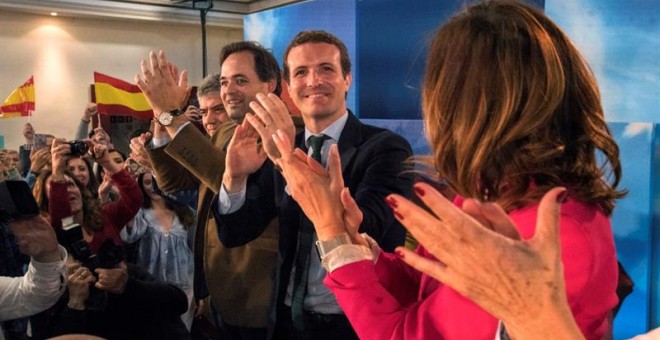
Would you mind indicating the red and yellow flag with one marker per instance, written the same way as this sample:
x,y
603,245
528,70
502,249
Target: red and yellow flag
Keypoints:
x,y
119,98
20,102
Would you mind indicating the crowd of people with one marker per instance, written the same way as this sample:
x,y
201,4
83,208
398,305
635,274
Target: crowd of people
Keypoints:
x,y
273,226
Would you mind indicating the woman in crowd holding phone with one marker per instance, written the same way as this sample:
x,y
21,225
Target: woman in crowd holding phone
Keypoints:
x,y
81,168
511,111
62,196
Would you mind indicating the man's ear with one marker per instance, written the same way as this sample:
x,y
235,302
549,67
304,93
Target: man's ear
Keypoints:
x,y
272,85
348,80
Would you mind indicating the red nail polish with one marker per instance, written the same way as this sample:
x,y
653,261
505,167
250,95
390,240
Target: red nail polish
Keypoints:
x,y
391,202
398,215
399,253
561,198
420,192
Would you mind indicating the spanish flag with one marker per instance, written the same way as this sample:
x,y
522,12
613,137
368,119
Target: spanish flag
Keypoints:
x,y
20,102
118,98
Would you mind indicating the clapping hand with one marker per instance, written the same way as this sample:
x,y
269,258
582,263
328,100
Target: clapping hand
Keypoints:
x,y
162,84
271,115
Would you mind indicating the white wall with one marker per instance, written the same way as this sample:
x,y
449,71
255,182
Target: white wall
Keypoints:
x,y
63,52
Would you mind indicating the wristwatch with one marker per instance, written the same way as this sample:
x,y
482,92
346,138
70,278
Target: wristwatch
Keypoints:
x,y
166,117
325,247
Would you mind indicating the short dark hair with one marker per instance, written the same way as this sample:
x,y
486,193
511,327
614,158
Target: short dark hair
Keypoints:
x,y
265,63
210,84
313,36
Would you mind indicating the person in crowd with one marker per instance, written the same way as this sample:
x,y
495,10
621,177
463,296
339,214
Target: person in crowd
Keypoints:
x,y
511,110
25,149
138,306
40,161
318,72
61,196
107,190
163,231
45,279
82,169
12,159
187,160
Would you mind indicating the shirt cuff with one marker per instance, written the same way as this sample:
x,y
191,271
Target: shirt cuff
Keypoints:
x,y
47,272
230,203
346,254
158,142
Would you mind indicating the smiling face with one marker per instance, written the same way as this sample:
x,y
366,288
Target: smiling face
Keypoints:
x,y
78,168
239,84
73,194
213,112
316,83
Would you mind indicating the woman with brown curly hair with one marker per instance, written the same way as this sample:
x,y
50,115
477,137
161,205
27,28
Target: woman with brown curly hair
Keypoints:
x,y
61,195
511,111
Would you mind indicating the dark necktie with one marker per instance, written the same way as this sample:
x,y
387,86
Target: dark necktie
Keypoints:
x,y
316,143
305,240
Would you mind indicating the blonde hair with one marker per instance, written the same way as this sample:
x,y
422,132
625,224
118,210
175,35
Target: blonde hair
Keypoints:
x,y
511,109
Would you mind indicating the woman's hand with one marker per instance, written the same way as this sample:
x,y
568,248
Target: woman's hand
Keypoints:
x,y
518,281
60,152
105,188
316,190
79,281
39,159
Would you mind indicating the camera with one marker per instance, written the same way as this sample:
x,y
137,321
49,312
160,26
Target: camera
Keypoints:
x,y
108,256
78,147
16,201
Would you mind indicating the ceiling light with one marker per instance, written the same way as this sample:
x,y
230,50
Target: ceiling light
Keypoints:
x,y
53,14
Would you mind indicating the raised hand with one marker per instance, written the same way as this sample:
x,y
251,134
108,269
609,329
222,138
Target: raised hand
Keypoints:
x,y
316,190
487,267
91,110
244,157
39,159
162,84
139,150
60,152
271,114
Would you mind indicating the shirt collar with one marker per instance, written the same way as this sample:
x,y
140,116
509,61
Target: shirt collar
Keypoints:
x,y
333,131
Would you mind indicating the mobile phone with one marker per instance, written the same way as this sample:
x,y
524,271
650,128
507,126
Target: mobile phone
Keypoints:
x,y
39,141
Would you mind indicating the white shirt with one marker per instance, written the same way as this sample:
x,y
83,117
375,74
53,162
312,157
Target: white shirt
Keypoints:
x,y
37,290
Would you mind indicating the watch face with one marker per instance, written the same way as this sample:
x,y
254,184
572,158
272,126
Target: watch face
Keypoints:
x,y
165,119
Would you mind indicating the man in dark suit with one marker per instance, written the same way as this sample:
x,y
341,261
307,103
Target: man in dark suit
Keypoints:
x,y
317,70
238,280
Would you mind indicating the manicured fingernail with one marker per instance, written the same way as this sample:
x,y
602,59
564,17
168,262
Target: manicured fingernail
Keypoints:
x,y
561,198
420,192
398,215
399,253
391,202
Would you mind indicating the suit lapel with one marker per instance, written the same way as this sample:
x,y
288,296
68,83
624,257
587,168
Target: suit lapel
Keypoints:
x,y
350,138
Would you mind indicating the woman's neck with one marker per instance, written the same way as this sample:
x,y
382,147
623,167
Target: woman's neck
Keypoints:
x,y
158,204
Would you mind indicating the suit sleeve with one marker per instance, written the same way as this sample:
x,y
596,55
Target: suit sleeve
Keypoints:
x,y
249,222
196,154
382,172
